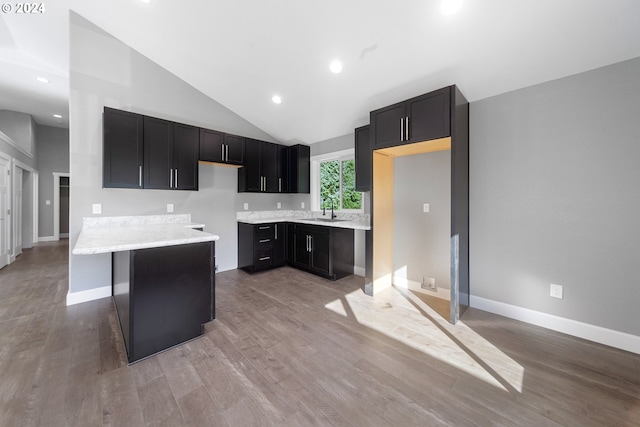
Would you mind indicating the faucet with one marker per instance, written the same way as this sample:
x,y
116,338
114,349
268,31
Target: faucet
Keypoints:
x,y
323,208
333,216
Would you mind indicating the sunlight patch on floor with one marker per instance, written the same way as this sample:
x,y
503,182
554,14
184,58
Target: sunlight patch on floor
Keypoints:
x,y
404,317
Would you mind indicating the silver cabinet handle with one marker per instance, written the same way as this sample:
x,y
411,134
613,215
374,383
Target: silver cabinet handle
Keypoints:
x,y
139,176
265,258
307,243
227,153
279,185
222,152
401,129
264,240
264,228
276,231
406,133
176,186
310,243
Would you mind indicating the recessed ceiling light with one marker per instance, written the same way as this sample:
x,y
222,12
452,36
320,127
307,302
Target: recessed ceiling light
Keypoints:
x,y
335,66
43,80
449,7
277,99
57,116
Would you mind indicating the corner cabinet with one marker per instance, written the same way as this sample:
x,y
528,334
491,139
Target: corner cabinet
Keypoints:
x,y
422,118
299,179
147,152
325,251
261,246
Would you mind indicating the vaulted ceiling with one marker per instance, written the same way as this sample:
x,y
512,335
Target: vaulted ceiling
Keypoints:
x,y
242,52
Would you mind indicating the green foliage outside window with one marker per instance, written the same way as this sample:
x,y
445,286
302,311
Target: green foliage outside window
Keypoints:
x,y
338,178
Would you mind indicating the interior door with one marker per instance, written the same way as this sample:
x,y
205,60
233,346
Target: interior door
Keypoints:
x,y
4,214
17,211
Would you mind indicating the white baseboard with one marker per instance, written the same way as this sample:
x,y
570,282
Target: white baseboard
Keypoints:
x,y
401,282
610,337
65,235
88,295
47,239
358,271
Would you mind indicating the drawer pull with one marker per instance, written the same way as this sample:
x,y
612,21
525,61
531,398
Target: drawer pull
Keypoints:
x,y
264,228
264,240
265,258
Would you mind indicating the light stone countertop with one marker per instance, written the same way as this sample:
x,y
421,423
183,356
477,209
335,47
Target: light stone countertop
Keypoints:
x,y
353,221
114,234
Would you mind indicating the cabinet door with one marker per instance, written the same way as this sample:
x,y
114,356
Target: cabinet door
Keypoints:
x,y
299,169
269,167
321,253
429,116
123,149
185,157
364,159
158,153
235,149
211,149
279,243
387,125
300,250
283,167
249,176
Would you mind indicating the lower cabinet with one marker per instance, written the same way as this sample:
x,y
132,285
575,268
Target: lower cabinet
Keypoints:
x,y
325,251
261,246
163,296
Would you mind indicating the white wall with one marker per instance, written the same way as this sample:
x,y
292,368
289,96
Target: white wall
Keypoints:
x,y
555,197
106,72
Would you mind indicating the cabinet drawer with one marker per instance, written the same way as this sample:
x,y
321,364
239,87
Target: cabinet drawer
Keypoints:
x,y
263,258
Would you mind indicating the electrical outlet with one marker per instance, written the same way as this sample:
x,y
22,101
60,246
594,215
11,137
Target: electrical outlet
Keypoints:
x,y
428,283
246,206
555,291
48,202
96,208
279,205
301,205
169,207
425,207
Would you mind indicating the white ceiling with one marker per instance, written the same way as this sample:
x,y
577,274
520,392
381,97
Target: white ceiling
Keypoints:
x,y
242,52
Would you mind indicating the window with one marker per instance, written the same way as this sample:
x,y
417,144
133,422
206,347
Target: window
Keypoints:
x,y
337,181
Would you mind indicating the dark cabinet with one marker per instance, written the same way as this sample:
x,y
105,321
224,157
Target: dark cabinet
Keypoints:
x,y
123,149
261,168
283,169
219,147
325,251
364,159
261,246
146,152
299,176
163,295
171,152
418,119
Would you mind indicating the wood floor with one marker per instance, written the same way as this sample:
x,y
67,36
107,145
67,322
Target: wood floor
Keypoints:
x,y
289,348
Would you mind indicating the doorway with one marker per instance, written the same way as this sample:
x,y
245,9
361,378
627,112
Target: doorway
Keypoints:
x,y
61,195
5,218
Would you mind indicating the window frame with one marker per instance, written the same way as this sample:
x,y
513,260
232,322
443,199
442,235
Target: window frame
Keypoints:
x,y
315,178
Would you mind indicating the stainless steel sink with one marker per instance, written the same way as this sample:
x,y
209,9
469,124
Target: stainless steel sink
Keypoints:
x,y
327,219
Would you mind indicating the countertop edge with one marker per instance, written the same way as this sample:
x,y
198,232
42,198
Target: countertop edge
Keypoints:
x,y
338,224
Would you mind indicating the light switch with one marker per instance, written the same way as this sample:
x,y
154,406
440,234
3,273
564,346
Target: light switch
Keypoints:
x,y
169,207
425,207
97,208
48,202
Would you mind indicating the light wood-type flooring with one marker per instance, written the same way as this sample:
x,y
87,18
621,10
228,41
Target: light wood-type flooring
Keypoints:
x,y
290,348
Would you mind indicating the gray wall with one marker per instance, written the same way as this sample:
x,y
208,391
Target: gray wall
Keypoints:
x,y
421,240
53,156
554,197
21,128
344,142
106,72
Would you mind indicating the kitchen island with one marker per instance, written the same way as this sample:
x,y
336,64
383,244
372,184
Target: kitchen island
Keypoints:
x,y
163,277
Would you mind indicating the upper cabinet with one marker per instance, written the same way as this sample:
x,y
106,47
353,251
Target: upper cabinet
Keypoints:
x,y
146,152
219,147
274,168
364,159
418,119
299,179
123,149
